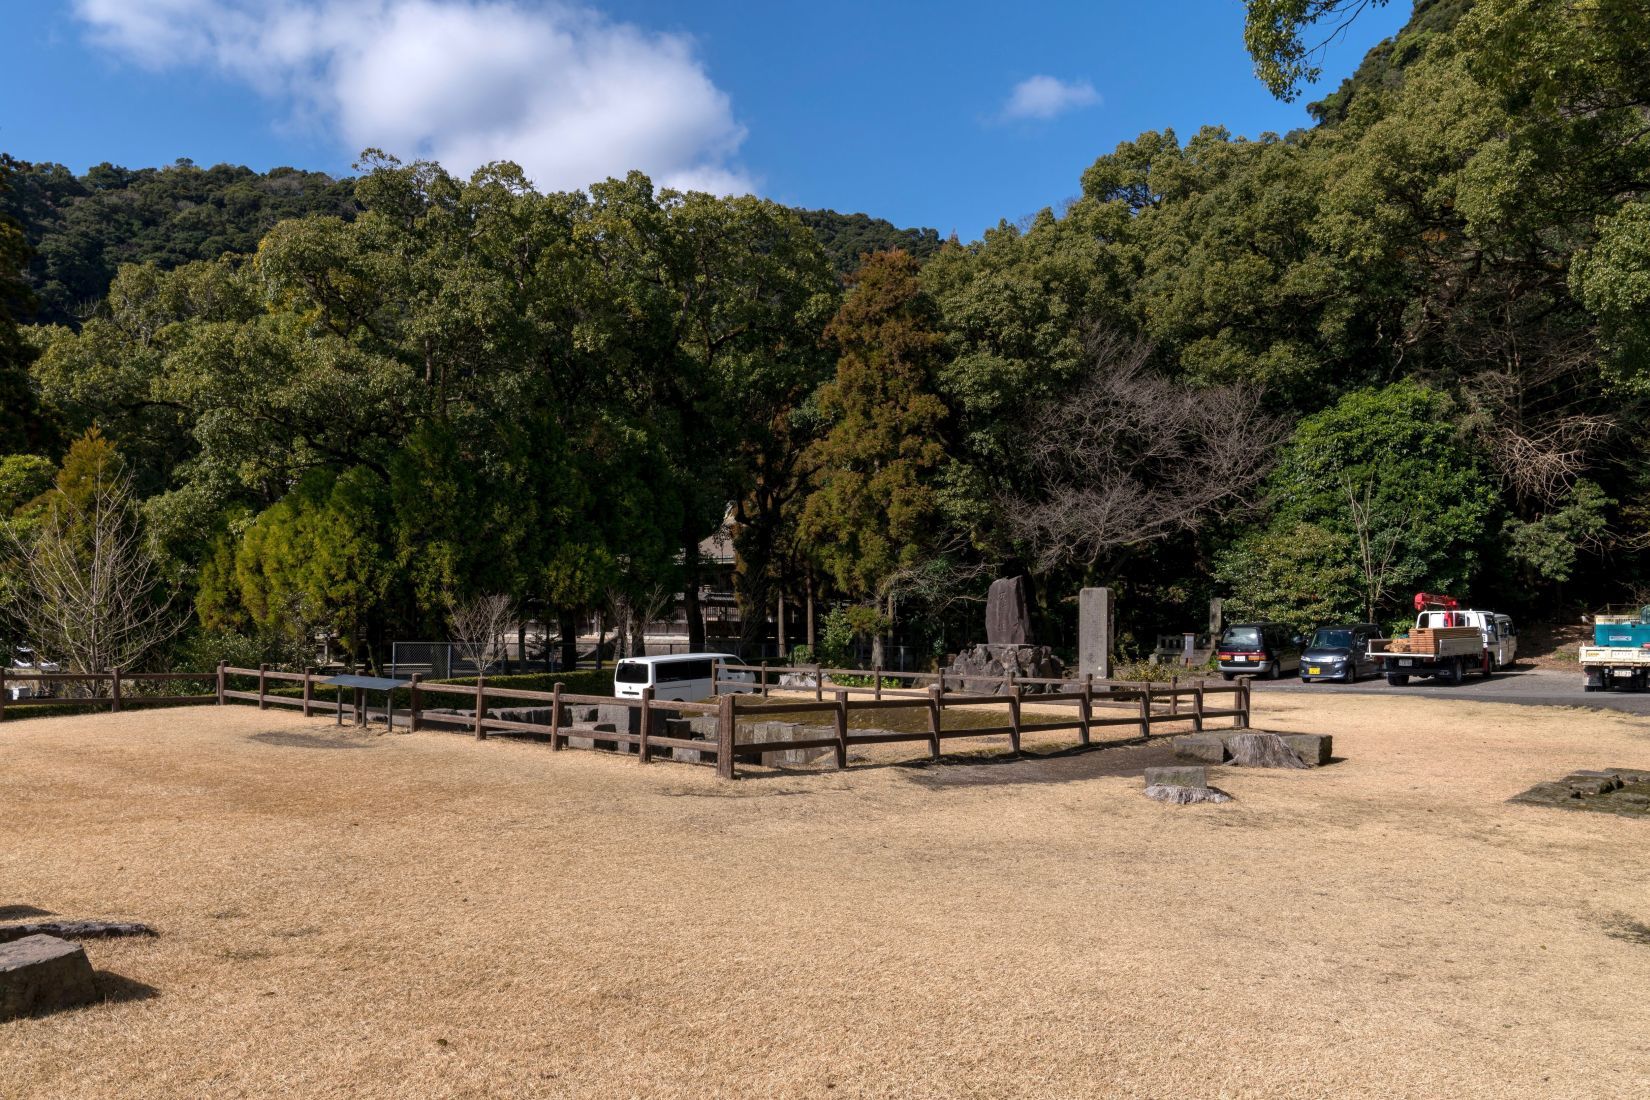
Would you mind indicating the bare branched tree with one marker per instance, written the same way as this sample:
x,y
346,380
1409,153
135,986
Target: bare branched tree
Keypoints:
x,y
647,606
631,612
621,614
947,576
1131,456
91,595
1539,447
1376,548
477,624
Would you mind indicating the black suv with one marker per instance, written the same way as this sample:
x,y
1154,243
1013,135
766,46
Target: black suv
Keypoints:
x,y
1340,653
1259,649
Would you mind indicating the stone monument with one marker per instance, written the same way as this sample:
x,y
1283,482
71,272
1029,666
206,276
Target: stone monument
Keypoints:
x,y
1009,652
1095,617
1008,612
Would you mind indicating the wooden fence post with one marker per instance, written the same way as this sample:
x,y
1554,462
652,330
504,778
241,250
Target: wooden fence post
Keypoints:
x,y
1146,710
1241,720
262,676
481,707
1014,714
841,717
941,684
876,674
555,718
934,703
308,688
1174,693
3,692
644,751
764,677
414,706
114,690
221,677
819,683
1086,707
725,719
1197,706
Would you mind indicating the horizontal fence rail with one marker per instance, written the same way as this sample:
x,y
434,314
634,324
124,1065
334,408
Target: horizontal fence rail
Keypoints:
x,y
838,695
108,690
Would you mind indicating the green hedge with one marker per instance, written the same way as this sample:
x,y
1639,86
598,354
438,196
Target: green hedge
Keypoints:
x,y
585,681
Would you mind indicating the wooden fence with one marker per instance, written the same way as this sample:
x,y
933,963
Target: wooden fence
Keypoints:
x,y
1139,708
108,692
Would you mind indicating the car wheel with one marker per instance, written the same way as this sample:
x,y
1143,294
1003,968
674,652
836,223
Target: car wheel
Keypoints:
x,y
1397,679
1273,673
1228,676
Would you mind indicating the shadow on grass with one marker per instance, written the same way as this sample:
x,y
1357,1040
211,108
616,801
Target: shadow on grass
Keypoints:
x,y
115,988
23,912
995,766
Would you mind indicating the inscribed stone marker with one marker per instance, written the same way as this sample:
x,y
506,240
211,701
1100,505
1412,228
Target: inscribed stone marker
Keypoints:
x,y
1094,629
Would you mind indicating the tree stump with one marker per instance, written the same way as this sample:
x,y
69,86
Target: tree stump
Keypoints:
x,y
1262,750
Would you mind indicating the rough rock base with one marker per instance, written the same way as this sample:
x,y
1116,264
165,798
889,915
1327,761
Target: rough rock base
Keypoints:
x,y
1185,796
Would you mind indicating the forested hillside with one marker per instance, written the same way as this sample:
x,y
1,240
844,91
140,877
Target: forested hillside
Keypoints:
x,y
847,237
1408,348
81,229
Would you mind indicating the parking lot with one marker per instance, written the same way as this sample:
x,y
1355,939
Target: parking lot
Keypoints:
x,y
1536,687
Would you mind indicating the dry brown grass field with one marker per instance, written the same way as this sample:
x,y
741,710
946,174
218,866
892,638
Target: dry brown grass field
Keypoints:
x,y
420,915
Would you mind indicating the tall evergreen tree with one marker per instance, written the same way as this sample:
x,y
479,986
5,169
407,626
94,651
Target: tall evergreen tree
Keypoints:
x,y
873,509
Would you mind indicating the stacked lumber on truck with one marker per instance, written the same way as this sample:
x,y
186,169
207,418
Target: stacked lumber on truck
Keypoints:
x,y
1424,640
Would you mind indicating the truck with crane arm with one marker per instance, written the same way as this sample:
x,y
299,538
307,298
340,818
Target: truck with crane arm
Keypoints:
x,y
1446,643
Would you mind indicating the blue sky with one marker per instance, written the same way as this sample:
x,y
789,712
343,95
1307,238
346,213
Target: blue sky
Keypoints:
x,y
949,115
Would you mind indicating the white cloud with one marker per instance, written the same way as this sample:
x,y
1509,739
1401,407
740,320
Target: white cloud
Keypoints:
x,y
566,93
1046,96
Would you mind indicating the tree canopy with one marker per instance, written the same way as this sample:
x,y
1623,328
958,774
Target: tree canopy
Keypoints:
x,y
1407,347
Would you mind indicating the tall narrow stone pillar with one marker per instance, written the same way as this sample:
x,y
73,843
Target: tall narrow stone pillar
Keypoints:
x,y
1095,616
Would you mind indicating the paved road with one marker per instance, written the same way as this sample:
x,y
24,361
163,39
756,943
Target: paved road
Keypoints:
x,y
1527,686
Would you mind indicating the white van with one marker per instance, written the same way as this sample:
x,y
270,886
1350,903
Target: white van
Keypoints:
x,y
678,677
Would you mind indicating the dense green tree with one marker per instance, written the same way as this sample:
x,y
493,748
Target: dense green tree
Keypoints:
x,y
1386,497
314,559
22,427
873,505
1293,572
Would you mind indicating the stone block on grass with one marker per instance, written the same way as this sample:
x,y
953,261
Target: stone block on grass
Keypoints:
x,y
42,973
1314,749
1209,748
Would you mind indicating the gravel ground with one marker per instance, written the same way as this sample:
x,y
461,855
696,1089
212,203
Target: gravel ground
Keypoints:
x,y
364,916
